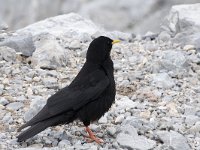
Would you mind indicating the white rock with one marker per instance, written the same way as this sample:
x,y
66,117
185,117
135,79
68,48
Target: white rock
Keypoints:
x,y
184,17
188,47
49,54
125,103
119,119
75,44
71,25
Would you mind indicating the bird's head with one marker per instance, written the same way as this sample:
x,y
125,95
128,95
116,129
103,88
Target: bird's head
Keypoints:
x,y
99,49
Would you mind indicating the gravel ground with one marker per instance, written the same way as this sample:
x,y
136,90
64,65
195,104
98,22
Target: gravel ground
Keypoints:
x,y
153,104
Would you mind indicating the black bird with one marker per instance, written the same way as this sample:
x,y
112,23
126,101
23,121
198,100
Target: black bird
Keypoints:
x,y
87,98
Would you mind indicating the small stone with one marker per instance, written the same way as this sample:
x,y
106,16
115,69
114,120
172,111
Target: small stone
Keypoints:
x,y
172,109
3,101
195,129
94,127
15,106
7,118
29,92
36,79
75,44
119,119
125,103
111,131
188,47
191,120
6,81
145,114
7,54
163,80
103,120
50,82
164,36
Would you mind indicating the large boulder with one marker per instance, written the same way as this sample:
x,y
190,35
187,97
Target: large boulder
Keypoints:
x,y
183,24
54,37
69,25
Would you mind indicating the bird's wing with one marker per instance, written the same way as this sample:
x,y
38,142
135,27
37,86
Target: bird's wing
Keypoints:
x,y
82,91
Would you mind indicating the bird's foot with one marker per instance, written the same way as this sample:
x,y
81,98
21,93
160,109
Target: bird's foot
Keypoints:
x,y
92,137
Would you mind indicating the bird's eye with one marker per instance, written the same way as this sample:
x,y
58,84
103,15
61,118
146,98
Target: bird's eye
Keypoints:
x,y
109,43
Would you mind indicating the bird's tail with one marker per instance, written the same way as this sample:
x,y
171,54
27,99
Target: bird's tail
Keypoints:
x,y
40,126
33,130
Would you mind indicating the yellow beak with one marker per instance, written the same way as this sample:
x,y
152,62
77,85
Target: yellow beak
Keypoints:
x,y
115,41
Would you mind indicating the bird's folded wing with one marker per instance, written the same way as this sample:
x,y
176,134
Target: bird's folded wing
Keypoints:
x,y
85,90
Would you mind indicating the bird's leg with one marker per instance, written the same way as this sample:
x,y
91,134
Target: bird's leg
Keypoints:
x,y
93,137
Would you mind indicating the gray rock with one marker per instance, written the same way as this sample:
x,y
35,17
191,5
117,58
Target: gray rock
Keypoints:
x,y
7,53
50,82
111,131
135,142
75,44
125,103
15,106
183,25
189,110
20,43
173,60
191,120
70,25
162,80
7,118
95,127
49,54
184,18
64,144
164,36
3,101
174,139
119,119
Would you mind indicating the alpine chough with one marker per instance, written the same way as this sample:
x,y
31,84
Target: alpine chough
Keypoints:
x,y
87,98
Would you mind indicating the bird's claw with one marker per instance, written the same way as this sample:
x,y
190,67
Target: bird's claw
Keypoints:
x,y
92,137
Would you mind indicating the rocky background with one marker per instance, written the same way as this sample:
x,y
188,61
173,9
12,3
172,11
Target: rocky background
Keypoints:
x,y
138,16
157,76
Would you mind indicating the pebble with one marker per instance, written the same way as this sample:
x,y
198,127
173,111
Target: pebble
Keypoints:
x,y
111,131
3,101
188,47
103,120
75,44
119,119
